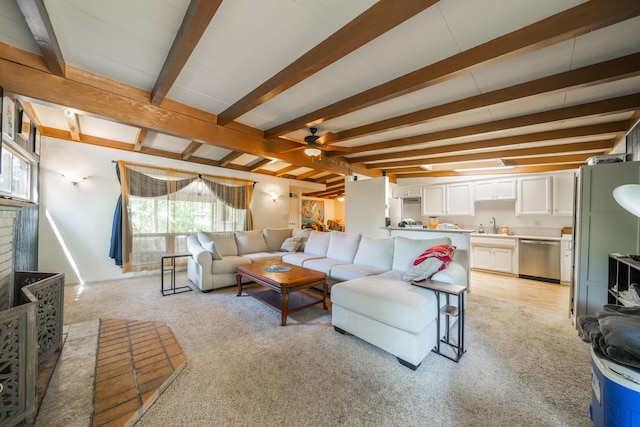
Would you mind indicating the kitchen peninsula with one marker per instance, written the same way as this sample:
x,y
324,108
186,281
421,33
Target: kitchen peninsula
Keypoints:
x,y
459,237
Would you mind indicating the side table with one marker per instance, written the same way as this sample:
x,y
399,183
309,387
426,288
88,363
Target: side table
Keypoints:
x,y
168,264
448,310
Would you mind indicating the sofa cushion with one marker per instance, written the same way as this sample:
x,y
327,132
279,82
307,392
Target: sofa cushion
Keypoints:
x,y
250,242
298,258
343,246
323,265
393,302
264,256
224,242
406,250
228,264
375,252
274,237
457,270
291,244
318,243
345,272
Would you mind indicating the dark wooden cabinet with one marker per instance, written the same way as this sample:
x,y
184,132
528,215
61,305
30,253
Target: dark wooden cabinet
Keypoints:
x,y
623,271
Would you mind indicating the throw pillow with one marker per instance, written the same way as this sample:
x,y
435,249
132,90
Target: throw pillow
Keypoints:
x,y
291,244
209,246
424,270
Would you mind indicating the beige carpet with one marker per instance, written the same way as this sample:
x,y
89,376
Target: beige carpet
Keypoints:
x,y
524,366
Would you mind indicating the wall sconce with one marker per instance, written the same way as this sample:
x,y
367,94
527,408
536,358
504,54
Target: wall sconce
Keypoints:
x,y
74,178
274,196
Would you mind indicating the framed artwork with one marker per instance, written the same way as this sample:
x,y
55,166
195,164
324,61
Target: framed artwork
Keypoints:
x,y
8,117
312,212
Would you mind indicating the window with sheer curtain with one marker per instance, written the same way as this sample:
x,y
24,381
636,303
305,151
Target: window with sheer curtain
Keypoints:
x,y
161,207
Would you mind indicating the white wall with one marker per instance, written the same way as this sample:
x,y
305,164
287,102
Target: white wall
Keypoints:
x,y
366,206
83,214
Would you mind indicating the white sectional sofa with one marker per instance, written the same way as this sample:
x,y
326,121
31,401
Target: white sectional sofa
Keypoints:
x,y
369,297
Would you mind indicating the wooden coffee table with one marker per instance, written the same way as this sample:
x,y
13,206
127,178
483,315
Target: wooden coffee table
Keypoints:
x,y
283,287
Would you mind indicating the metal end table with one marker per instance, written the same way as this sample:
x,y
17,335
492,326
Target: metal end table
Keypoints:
x,y
169,266
448,311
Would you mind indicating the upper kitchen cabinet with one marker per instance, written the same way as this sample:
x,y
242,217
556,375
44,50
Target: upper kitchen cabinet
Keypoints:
x,y
496,189
534,195
433,200
405,192
459,199
563,191
450,199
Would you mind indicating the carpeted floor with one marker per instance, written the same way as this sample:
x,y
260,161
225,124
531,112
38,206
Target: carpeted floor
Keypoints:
x,y
524,366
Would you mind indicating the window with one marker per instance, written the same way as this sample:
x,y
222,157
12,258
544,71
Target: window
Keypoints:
x,y
161,207
16,174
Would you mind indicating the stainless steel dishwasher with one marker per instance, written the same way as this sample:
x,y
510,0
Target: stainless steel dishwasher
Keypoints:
x,y
539,260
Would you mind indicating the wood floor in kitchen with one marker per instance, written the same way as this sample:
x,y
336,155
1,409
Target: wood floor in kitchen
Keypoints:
x,y
550,296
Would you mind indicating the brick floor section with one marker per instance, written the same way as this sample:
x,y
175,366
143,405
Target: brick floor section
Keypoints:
x,y
136,361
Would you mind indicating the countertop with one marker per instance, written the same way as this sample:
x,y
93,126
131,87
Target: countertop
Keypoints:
x,y
519,236
437,230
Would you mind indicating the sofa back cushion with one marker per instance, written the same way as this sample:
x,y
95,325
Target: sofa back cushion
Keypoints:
x,y
303,235
223,241
274,237
406,250
318,243
375,252
343,246
250,242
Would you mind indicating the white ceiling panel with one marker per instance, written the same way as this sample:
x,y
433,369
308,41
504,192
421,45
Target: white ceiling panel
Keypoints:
x,y
607,43
474,22
49,116
13,28
90,125
119,39
213,152
245,159
604,91
166,142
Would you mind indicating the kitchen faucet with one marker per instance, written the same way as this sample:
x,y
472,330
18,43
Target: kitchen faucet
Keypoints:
x,y
493,222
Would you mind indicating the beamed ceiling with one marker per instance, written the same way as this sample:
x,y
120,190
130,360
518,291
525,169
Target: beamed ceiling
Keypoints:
x,y
411,88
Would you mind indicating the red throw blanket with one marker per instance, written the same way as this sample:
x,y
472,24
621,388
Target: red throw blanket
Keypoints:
x,y
443,252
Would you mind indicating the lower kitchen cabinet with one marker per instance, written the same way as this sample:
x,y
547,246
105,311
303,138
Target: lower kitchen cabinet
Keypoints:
x,y
494,254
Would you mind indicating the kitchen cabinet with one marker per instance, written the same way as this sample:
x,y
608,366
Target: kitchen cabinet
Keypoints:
x,y
563,190
433,200
450,199
565,261
496,189
406,192
534,195
459,199
498,254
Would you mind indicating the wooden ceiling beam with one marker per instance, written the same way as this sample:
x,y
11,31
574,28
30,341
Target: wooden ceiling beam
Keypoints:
x,y
195,22
612,128
606,106
286,170
255,167
35,84
37,18
28,107
573,22
501,154
372,23
188,152
308,174
604,72
550,160
73,124
139,141
230,157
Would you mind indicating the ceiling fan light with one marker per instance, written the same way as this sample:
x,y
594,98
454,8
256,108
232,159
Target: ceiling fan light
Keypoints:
x,y
312,152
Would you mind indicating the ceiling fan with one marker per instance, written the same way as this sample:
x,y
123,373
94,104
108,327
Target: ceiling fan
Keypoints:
x,y
312,147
